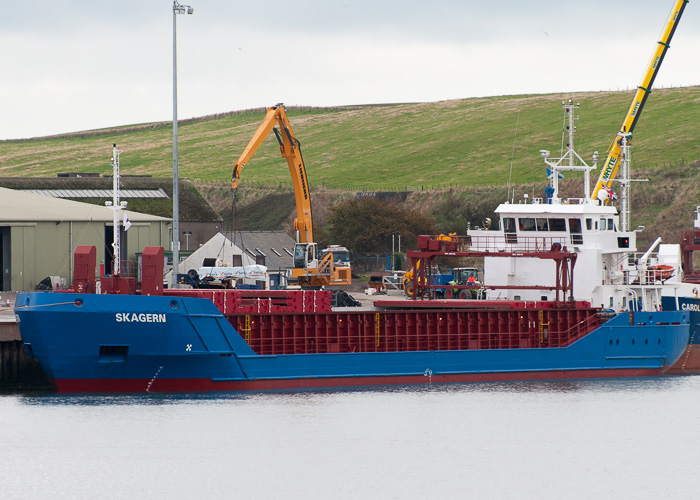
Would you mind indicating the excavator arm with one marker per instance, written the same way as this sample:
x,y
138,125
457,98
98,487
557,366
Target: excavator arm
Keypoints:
x,y
614,151
291,151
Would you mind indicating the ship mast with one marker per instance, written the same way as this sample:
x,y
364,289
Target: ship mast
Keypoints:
x,y
117,206
570,160
625,182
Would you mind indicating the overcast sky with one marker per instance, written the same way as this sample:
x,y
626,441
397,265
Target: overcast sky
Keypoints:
x,y
74,65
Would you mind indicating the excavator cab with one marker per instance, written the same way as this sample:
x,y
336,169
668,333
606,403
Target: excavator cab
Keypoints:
x,y
305,256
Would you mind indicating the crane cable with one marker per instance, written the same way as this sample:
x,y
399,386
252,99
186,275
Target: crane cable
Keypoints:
x,y
234,225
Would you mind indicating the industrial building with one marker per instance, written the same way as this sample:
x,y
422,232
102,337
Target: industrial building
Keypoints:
x,y
38,235
147,195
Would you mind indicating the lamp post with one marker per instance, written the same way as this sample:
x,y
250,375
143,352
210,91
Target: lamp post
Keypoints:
x,y
177,9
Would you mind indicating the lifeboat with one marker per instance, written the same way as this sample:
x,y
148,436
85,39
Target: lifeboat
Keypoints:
x,y
660,272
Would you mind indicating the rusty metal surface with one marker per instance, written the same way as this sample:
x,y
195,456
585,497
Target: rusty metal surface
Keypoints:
x,y
8,325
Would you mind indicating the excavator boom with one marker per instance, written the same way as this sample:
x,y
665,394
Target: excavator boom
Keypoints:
x,y
614,151
291,151
310,268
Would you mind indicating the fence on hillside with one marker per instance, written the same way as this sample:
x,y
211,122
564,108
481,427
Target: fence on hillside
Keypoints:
x,y
348,187
367,188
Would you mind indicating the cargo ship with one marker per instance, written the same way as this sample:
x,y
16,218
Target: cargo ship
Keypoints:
x,y
238,340
526,319
625,315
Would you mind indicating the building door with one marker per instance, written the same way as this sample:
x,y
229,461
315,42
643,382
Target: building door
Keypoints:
x,y
5,284
109,248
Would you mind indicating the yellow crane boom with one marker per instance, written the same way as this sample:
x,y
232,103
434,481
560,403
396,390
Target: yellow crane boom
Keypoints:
x,y
291,151
612,162
310,267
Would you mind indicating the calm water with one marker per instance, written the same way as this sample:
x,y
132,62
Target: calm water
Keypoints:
x,y
591,439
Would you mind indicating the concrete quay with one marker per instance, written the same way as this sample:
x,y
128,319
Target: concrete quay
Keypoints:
x,y
18,371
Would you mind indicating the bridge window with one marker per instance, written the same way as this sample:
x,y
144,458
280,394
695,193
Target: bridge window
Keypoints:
x,y
603,224
557,224
509,229
589,224
575,230
575,225
527,223
542,224
509,224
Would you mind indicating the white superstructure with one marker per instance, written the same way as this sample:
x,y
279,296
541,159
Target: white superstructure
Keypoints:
x,y
609,270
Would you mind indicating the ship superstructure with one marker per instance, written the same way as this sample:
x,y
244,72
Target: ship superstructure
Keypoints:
x,y
611,272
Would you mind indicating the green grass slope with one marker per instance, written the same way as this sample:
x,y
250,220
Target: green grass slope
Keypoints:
x,y
460,142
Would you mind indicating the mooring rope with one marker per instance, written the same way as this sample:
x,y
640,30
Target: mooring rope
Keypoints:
x,y
45,305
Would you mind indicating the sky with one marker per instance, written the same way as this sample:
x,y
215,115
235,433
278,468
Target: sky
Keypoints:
x,y
70,65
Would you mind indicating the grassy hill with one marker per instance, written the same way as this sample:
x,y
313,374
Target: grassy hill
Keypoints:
x,y
461,142
450,159
664,205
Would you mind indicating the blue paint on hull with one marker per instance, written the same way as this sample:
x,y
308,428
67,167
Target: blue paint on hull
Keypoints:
x,y
691,305
105,341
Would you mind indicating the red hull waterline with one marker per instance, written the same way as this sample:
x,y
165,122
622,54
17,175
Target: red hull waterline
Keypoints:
x,y
688,363
128,386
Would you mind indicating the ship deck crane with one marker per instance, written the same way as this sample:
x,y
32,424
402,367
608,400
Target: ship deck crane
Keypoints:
x,y
309,268
612,162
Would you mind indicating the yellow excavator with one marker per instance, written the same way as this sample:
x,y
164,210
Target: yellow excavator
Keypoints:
x,y
310,269
615,150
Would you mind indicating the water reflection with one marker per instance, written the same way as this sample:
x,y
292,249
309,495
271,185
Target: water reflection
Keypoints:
x,y
306,397
563,439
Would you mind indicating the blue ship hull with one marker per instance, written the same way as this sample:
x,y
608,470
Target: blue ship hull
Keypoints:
x,y
689,363
133,343
691,305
